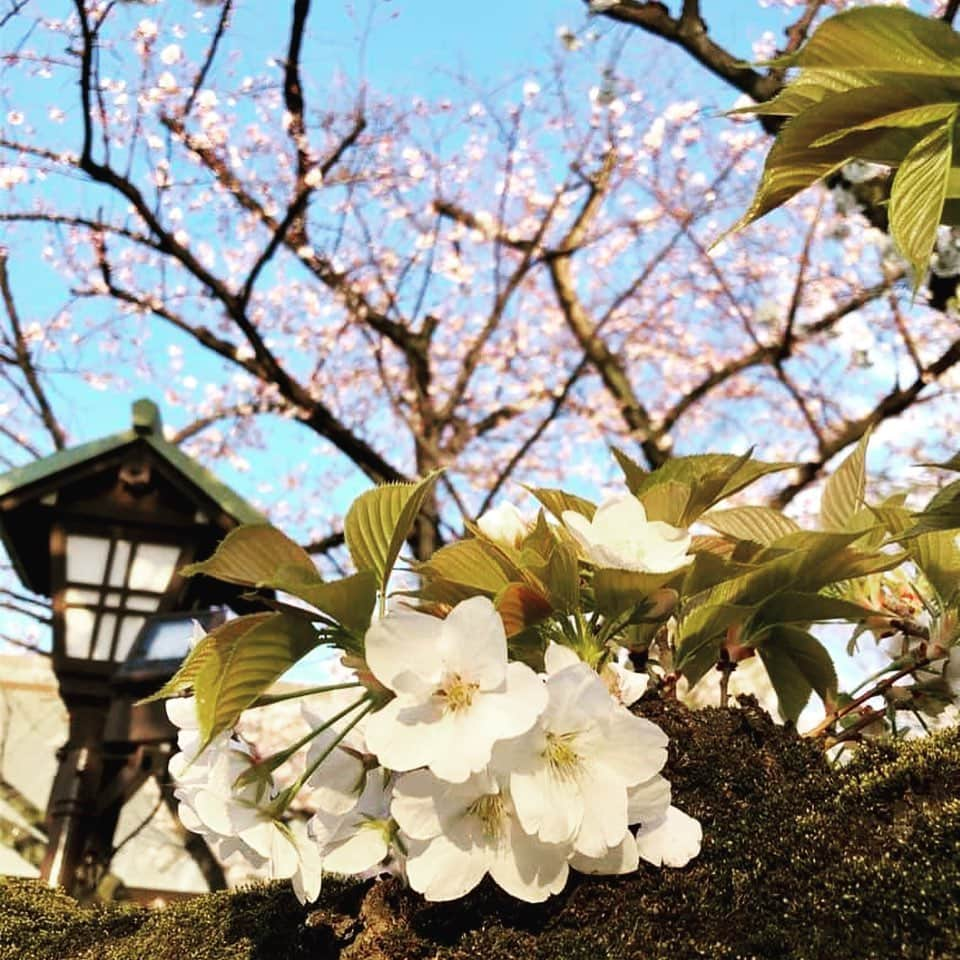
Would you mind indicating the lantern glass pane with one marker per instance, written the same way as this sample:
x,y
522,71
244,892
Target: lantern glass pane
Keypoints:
x,y
142,602
79,628
112,600
129,628
121,557
169,639
86,558
101,649
153,566
76,597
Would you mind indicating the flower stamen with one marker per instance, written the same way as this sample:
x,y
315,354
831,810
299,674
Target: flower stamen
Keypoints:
x,y
561,755
458,693
489,810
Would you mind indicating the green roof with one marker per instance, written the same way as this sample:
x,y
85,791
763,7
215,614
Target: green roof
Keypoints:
x,y
146,427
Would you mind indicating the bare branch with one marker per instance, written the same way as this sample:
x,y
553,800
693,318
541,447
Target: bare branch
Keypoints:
x,y
26,364
690,33
890,405
325,544
211,53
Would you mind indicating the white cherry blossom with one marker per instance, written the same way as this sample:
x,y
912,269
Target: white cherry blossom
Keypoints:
x,y
456,833
504,524
569,777
456,694
620,537
360,839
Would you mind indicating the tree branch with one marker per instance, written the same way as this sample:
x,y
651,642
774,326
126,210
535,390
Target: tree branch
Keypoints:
x,y
25,362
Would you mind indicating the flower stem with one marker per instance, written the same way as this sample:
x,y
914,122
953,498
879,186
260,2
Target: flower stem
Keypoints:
x,y
282,756
293,790
270,698
824,727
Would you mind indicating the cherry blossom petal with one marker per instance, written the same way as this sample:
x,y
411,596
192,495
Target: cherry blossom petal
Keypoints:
x,y
401,651
671,842
441,870
558,657
473,643
619,859
648,800
360,851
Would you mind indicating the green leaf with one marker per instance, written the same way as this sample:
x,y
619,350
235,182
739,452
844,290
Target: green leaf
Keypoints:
x,y
378,522
711,477
760,524
473,563
250,555
952,464
844,492
235,673
633,473
792,606
797,663
206,648
667,502
793,163
922,116
917,197
557,501
887,39
349,601
935,553
561,576
701,633
616,592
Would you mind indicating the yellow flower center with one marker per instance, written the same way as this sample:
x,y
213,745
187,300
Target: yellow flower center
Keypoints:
x,y
489,811
458,693
561,754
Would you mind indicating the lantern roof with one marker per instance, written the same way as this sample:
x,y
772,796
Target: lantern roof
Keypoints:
x,y
39,483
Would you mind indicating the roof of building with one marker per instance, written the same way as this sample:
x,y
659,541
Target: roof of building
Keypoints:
x,y
146,427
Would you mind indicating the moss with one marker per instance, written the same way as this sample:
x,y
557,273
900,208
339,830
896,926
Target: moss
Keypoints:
x,y
799,861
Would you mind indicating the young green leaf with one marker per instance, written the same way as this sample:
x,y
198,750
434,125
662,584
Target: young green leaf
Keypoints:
x,y
378,522
616,592
349,601
233,674
917,197
797,663
633,473
844,492
763,525
557,501
207,648
251,555
472,563
887,39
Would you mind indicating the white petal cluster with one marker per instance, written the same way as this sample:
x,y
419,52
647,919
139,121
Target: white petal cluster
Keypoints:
x,y
232,819
620,537
476,767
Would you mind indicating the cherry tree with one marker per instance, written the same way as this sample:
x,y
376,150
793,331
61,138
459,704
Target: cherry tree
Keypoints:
x,y
500,284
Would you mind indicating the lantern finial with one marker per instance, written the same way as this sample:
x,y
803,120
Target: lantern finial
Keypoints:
x,y
146,418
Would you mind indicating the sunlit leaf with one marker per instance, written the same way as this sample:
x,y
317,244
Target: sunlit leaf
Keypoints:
x,y
888,39
761,524
844,492
557,501
208,647
917,196
472,563
616,592
251,555
378,522
235,672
